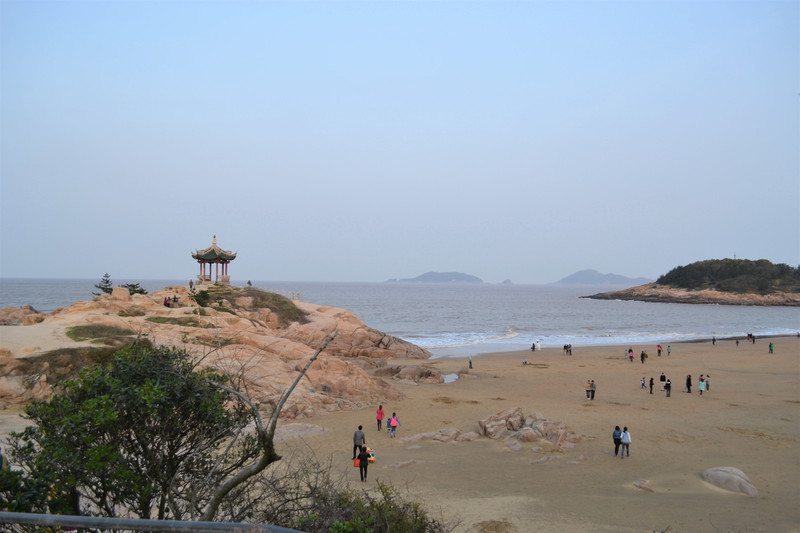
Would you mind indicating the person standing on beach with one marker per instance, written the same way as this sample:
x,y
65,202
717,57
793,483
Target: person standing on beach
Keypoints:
x,y
644,382
588,389
630,354
689,383
617,436
771,347
662,379
593,389
669,349
708,382
701,384
651,384
668,387
713,341
643,356
659,350
379,416
539,345
359,439
363,463
626,443
533,347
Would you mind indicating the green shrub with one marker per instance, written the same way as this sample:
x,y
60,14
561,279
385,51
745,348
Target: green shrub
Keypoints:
x,y
175,321
202,298
97,331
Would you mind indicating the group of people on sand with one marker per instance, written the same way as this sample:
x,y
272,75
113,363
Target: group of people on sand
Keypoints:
x,y
703,383
391,424
643,355
360,451
622,438
567,350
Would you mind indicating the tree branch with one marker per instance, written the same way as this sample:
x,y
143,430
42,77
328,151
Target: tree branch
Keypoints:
x,y
266,437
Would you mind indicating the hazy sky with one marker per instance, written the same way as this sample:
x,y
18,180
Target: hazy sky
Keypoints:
x,y
361,141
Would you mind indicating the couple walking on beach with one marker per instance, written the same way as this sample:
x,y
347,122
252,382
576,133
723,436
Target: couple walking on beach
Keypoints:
x,y
622,437
591,388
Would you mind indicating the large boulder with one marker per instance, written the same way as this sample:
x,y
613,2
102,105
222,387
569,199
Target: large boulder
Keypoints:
x,y
730,478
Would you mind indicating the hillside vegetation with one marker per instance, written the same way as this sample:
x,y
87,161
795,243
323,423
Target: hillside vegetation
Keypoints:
x,y
740,276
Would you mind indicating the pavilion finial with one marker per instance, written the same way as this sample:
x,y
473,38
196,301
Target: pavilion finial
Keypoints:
x,y
214,241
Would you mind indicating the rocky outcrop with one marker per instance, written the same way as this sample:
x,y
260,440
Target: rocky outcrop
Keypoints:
x,y
513,425
653,292
730,478
510,425
443,435
253,342
20,316
414,373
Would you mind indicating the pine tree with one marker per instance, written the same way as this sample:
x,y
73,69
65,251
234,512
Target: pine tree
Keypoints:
x,y
134,288
105,285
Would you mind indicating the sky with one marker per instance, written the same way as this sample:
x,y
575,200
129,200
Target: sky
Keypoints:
x,y
363,141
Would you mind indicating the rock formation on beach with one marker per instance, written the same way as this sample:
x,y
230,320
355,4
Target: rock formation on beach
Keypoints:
x,y
234,332
512,424
719,281
732,479
653,292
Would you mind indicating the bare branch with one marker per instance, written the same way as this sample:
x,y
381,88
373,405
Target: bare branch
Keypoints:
x,y
266,438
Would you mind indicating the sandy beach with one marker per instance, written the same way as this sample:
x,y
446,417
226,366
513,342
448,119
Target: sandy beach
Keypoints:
x,y
748,420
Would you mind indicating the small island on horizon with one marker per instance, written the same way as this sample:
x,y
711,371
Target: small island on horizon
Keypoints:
x,y
439,277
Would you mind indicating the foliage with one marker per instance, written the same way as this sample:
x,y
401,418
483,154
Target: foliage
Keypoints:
x,y
734,275
97,331
105,285
202,298
150,435
108,441
286,310
176,321
134,288
250,298
302,493
382,511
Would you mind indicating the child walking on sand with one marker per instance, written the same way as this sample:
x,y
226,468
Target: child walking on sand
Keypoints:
x,y
393,424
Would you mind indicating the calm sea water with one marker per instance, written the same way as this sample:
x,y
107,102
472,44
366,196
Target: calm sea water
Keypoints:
x,y
466,319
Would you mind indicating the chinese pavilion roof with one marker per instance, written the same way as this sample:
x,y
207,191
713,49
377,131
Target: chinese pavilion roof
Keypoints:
x,y
214,252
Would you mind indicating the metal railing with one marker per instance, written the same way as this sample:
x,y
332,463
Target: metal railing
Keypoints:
x,y
133,524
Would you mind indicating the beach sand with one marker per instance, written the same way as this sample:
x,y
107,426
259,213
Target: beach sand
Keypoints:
x,y
750,419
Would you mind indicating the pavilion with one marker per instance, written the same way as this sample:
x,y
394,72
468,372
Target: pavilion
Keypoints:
x,y
217,256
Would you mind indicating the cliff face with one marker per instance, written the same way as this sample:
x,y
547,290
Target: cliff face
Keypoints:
x,y
652,292
251,343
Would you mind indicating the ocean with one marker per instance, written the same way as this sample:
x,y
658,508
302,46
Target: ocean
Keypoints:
x,y
459,320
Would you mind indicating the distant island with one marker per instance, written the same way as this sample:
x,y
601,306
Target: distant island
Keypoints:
x,y
719,281
440,277
593,277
